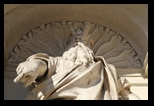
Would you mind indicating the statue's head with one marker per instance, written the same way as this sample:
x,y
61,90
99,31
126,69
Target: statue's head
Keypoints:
x,y
81,34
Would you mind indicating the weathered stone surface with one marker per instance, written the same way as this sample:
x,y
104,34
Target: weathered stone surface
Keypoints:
x,y
123,28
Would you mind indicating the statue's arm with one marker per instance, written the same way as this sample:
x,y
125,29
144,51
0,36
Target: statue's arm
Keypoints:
x,y
33,68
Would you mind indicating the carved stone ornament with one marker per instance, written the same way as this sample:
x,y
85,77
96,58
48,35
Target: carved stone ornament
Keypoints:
x,y
73,66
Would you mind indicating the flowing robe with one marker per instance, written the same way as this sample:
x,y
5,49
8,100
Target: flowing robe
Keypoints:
x,y
69,80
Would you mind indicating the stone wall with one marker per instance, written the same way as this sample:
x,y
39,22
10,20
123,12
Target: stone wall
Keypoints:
x,y
129,20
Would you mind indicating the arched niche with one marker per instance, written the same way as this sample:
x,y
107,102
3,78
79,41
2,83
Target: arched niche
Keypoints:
x,y
128,20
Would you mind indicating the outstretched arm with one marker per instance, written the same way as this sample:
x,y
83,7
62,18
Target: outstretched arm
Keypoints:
x,y
29,71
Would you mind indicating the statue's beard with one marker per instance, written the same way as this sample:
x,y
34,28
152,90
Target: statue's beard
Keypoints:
x,y
79,49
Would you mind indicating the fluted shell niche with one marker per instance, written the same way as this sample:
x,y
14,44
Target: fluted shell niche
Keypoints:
x,y
52,39
119,33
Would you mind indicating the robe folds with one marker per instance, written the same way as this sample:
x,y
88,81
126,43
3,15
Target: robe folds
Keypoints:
x,y
67,80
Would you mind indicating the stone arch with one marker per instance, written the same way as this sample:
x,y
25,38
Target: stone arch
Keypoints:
x,y
123,21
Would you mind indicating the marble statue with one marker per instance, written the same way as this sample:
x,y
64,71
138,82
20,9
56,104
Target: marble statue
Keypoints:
x,y
76,75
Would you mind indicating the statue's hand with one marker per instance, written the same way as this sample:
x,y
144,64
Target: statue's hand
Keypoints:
x,y
28,71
